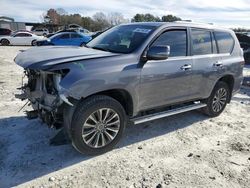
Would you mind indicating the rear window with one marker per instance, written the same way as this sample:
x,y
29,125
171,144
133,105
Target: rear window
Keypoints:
x,y
225,41
202,42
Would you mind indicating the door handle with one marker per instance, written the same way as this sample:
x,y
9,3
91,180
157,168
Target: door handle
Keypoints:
x,y
186,67
218,64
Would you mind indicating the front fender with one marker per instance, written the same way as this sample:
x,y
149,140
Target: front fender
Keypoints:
x,y
83,80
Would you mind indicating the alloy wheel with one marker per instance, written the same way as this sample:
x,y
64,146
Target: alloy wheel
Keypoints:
x,y
219,100
101,128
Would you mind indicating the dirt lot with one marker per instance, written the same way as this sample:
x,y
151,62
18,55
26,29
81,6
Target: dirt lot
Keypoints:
x,y
187,150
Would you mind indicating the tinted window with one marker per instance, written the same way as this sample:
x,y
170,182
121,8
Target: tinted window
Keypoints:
x,y
75,35
176,39
64,36
202,43
225,41
22,35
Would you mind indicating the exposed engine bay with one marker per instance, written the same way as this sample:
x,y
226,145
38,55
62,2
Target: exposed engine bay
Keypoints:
x,y
42,90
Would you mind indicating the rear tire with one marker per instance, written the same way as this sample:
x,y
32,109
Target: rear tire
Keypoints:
x,y
5,42
218,100
98,124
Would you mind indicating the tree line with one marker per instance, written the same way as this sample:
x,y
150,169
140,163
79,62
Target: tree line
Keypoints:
x,y
99,21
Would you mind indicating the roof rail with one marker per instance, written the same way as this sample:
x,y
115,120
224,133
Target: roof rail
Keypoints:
x,y
190,21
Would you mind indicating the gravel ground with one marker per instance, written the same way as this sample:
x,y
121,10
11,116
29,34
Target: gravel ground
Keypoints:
x,y
186,150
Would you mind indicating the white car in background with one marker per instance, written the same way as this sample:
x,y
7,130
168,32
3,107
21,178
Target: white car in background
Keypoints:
x,y
20,38
41,32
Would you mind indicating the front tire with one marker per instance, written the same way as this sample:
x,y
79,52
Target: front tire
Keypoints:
x,y
218,100
5,42
98,124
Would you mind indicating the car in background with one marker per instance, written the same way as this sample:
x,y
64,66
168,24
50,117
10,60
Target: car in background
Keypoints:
x,y
97,33
84,31
246,33
5,32
245,45
41,32
60,31
65,39
20,38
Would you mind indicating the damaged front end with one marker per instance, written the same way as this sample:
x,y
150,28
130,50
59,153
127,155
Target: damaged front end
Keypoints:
x,y
45,95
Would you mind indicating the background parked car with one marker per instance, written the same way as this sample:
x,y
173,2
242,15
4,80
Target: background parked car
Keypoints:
x,y
20,38
66,39
60,31
245,44
4,31
84,31
41,32
246,33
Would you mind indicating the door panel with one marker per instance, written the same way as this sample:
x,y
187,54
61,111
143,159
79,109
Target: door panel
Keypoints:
x,y
205,57
204,74
63,39
17,40
164,82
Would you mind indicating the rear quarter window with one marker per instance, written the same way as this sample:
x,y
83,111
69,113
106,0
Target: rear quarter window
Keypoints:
x,y
225,41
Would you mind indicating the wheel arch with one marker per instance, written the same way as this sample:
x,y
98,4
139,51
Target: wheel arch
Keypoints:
x,y
4,39
122,96
229,80
34,40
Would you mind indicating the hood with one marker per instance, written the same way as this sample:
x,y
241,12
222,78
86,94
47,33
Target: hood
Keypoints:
x,y
46,56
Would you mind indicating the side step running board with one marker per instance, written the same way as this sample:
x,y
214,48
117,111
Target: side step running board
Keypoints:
x,y
167,113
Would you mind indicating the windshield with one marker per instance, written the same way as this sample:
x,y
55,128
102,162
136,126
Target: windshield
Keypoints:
x,y
122,39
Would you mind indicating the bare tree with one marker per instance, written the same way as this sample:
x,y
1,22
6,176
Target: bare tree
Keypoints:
x,y
100,21
116,18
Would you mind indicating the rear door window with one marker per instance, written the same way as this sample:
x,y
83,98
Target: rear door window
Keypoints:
x,y
225,41
201,42
176,39
75,35
64,36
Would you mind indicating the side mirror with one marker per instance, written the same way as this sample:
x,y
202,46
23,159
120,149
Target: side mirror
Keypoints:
x,y
158,53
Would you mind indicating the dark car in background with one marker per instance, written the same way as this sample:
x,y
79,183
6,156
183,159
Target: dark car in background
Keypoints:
x,y
65,39
5,32
245,45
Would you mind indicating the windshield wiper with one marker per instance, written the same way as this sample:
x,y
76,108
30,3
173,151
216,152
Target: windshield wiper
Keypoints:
x,y
99,48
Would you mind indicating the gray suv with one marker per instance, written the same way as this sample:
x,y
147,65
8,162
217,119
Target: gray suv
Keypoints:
x,y
134,72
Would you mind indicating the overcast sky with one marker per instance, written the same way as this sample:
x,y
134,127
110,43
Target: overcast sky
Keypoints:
x,y
228,13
